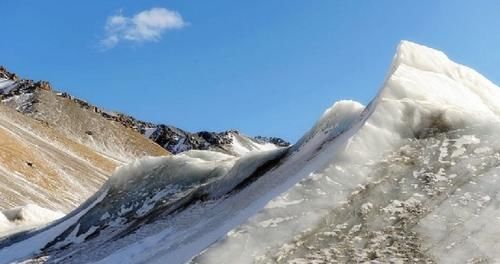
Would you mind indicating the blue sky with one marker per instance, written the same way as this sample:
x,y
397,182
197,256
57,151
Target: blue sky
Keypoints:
x,y
264,67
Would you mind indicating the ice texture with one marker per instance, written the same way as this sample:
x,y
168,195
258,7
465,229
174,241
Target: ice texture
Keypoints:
x,y
424,95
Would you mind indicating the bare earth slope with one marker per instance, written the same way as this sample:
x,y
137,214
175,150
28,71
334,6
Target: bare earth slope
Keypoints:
x,y
55,152
104,130
84,125
40,165
77,120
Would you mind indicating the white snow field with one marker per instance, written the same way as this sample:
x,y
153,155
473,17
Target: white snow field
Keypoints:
x,y
242,145
25,217
411,178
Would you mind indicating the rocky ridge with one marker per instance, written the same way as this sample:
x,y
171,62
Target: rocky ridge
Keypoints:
x,y
22,97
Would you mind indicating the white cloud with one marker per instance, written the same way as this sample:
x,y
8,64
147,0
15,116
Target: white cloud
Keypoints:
x,y
147,25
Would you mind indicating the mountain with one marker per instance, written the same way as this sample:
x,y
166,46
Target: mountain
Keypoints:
x,y
410,178
57,150
55,153
229,142
74,118
37,100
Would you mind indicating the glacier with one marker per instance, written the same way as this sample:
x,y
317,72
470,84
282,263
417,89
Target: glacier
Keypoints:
x,y
411,177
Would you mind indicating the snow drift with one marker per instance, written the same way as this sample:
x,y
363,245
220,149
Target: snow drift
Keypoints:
x,y
412,177
25,217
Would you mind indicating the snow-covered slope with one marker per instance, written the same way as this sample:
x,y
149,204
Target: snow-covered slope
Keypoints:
x,y
230,142
25,217
412,177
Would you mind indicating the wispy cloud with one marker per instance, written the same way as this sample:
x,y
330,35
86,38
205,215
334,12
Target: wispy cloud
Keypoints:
x,y
145,26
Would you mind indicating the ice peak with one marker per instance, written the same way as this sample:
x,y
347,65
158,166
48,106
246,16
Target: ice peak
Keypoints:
x,y
406,47
419,56
419,73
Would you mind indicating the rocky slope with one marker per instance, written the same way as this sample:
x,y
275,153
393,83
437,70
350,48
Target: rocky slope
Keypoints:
x,y
411,178
37,99
75,119
177,140
229,142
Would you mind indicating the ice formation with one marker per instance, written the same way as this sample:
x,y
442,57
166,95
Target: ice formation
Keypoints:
x,y
412,177
425,96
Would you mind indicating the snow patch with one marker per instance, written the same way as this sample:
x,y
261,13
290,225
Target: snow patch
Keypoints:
x,y
25,217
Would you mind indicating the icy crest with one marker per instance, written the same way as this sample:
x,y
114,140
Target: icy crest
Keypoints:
x,y
332,123
423,95
422,73
424,90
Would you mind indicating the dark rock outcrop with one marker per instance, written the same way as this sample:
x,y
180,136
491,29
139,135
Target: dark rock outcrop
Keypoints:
x,y
274,140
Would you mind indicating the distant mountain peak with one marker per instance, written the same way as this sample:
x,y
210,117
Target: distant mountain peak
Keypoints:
x,y
5,74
